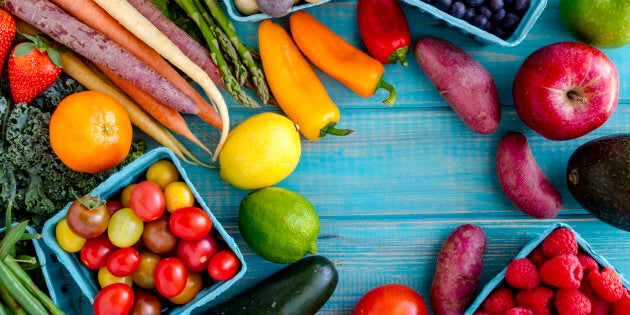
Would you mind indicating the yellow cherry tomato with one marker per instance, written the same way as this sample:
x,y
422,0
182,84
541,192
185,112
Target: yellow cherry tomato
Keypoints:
x,y
68,240
106,278
178,195
125,195
162,173
124,228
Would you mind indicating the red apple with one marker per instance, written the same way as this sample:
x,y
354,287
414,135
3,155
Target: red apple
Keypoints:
x,y
566,90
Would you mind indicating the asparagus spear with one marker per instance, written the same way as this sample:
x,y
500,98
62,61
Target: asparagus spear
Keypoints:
x,y
258,77
240,71
231,85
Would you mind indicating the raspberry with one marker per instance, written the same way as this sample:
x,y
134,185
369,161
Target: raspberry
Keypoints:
x,y
598,305
481,313
572,302
519,310
562,271
522,274
559,241
606,284
622,306
537,257
539,300
499,301
588,263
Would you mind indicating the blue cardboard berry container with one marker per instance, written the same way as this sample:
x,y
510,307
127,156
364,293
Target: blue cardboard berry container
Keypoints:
x,y
236,15
536,8
86,279
527,249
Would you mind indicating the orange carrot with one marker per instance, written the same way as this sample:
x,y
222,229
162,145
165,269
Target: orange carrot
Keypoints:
x,y
88,12
167,116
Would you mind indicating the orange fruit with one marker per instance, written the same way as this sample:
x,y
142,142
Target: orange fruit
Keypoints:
x,y
90,132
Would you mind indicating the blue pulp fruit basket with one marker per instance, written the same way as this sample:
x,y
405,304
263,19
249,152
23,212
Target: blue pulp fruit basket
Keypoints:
x,y
86,279
236,15
527,249
536,8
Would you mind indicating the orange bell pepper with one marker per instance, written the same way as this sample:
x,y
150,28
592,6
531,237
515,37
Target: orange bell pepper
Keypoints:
x,y
336,57
297,89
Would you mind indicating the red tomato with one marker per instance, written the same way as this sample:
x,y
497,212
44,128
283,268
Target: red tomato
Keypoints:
x,y
391,299
123,262
113,206
196,254
170,277
147,201
190,223
95,252
114,299
223,265
87,217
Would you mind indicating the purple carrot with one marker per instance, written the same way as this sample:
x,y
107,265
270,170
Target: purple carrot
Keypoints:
x,y
89,43
189,46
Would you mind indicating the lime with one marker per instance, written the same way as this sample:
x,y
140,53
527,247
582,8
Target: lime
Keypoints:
x,y
278,224
260,152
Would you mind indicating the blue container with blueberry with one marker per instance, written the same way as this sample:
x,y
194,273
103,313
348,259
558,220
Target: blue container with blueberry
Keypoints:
x,y
502,22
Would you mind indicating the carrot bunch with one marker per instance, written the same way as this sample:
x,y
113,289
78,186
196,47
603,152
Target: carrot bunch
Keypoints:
x,y
123,54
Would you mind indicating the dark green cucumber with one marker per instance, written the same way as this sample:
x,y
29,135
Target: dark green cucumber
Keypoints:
x,y
302,287
598,177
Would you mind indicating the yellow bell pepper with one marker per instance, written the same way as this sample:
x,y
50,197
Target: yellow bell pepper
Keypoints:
x,y
297,89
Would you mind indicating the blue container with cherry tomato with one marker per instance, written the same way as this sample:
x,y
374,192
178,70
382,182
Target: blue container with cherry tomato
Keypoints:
x,y
145,235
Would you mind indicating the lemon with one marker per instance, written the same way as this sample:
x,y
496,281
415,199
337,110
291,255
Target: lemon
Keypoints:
x,y
260,152
278,224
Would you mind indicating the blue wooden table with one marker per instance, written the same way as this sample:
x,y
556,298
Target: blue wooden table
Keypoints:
x,y
389,194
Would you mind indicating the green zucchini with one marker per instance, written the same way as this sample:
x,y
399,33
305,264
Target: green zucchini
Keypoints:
x,y
302,287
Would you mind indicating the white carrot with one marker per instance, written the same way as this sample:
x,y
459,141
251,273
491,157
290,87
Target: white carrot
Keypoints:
x,y
140,26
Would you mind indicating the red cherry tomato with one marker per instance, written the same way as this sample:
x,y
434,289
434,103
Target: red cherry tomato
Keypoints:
x,y
170,277
145,303
95,252
190,223
391,299
147,201
196,254
114,299
123,262
223,265
113,206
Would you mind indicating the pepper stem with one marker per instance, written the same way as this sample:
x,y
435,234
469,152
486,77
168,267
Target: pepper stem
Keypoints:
x,y
392,92
399,55
330,129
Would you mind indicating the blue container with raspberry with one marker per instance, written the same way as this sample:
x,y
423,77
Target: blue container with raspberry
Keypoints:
x,y
556,273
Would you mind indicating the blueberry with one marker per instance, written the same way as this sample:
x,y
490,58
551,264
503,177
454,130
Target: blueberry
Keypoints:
x,y
521,5
485,11
510,21
499,32
495,5
498,15
508,4
474,3
458,9
470,14
442,4
481,21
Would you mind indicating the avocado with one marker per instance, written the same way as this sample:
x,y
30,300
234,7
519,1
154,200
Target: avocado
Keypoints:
x,y
598,177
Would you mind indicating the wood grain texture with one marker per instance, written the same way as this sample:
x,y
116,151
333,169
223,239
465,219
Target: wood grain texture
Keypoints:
x,y
390,193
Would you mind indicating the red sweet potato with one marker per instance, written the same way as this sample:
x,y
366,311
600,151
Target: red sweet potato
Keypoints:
x,y
458,270
522,180
464,83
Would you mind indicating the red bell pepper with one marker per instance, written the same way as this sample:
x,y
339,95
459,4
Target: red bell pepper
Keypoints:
x,y
384,30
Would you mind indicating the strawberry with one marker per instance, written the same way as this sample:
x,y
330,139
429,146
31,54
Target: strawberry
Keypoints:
x,y
33,67
7,33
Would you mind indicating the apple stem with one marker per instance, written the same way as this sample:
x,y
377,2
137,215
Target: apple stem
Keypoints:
x,y
574,96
